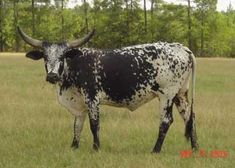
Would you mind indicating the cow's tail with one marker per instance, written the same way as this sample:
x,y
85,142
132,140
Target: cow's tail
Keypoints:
x,y
193,81
190,129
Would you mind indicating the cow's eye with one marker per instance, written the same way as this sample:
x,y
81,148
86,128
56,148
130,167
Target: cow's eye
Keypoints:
x,y
61,68
46,68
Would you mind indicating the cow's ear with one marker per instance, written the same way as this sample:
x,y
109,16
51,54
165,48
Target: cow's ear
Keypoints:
x,y
35,55
72,53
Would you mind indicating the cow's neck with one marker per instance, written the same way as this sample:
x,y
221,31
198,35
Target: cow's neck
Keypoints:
x,y
65,81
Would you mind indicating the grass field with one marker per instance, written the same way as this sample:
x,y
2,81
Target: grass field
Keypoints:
x,y
36,132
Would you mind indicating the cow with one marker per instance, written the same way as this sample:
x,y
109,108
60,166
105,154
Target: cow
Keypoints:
x,y
128,77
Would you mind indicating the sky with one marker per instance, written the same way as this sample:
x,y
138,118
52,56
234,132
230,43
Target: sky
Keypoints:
x,y
221,6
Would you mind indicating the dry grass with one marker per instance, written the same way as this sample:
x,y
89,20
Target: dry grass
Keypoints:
x,y
35,131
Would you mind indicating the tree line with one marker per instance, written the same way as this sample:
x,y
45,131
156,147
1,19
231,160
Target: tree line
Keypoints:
x,y
119,23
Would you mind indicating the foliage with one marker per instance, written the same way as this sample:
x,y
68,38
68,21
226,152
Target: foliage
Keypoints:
x,y
120,23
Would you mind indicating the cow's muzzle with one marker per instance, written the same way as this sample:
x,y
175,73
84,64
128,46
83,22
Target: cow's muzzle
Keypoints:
x,y
52,78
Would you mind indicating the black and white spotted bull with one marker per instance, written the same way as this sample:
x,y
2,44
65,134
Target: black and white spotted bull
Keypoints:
x,y
127,77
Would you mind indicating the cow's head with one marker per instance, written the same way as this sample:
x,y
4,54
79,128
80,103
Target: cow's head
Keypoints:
x,y
54,54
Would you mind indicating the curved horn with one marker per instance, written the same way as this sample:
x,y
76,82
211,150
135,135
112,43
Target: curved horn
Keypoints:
x,y
79,42
29,40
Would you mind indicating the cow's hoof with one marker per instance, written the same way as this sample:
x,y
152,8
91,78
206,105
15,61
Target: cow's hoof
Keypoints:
x,y
75,144
96,147
195,148
155,151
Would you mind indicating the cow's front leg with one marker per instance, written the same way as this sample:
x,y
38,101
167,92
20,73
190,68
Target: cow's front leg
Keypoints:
x,y
78,125
94,126
166,121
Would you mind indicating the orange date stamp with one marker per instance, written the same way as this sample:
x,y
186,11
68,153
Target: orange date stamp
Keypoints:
x,y
203,153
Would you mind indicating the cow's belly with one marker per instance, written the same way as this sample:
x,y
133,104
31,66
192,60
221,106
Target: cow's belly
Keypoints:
x,y
132,104
72,100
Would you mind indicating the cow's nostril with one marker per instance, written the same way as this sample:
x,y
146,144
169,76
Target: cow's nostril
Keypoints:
x,y
52,78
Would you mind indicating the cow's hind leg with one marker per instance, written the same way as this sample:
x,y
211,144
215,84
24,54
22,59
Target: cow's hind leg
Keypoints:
x,y
183,106
166,120
78,125
95,126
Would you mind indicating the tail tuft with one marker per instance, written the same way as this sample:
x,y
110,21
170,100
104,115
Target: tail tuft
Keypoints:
x,y
189,125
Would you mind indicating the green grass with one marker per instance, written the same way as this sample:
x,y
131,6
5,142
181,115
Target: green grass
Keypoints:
x,y
36,132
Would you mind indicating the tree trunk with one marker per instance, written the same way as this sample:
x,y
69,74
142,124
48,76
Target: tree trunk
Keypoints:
x,y
152,4
95,12
127,6
202,34
189,26
145,17
86,17
1,25
131,5
17,43
33,19
127,22
62,20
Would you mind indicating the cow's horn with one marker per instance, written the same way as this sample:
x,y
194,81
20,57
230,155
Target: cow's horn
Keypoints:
x,y
29,40
80,42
